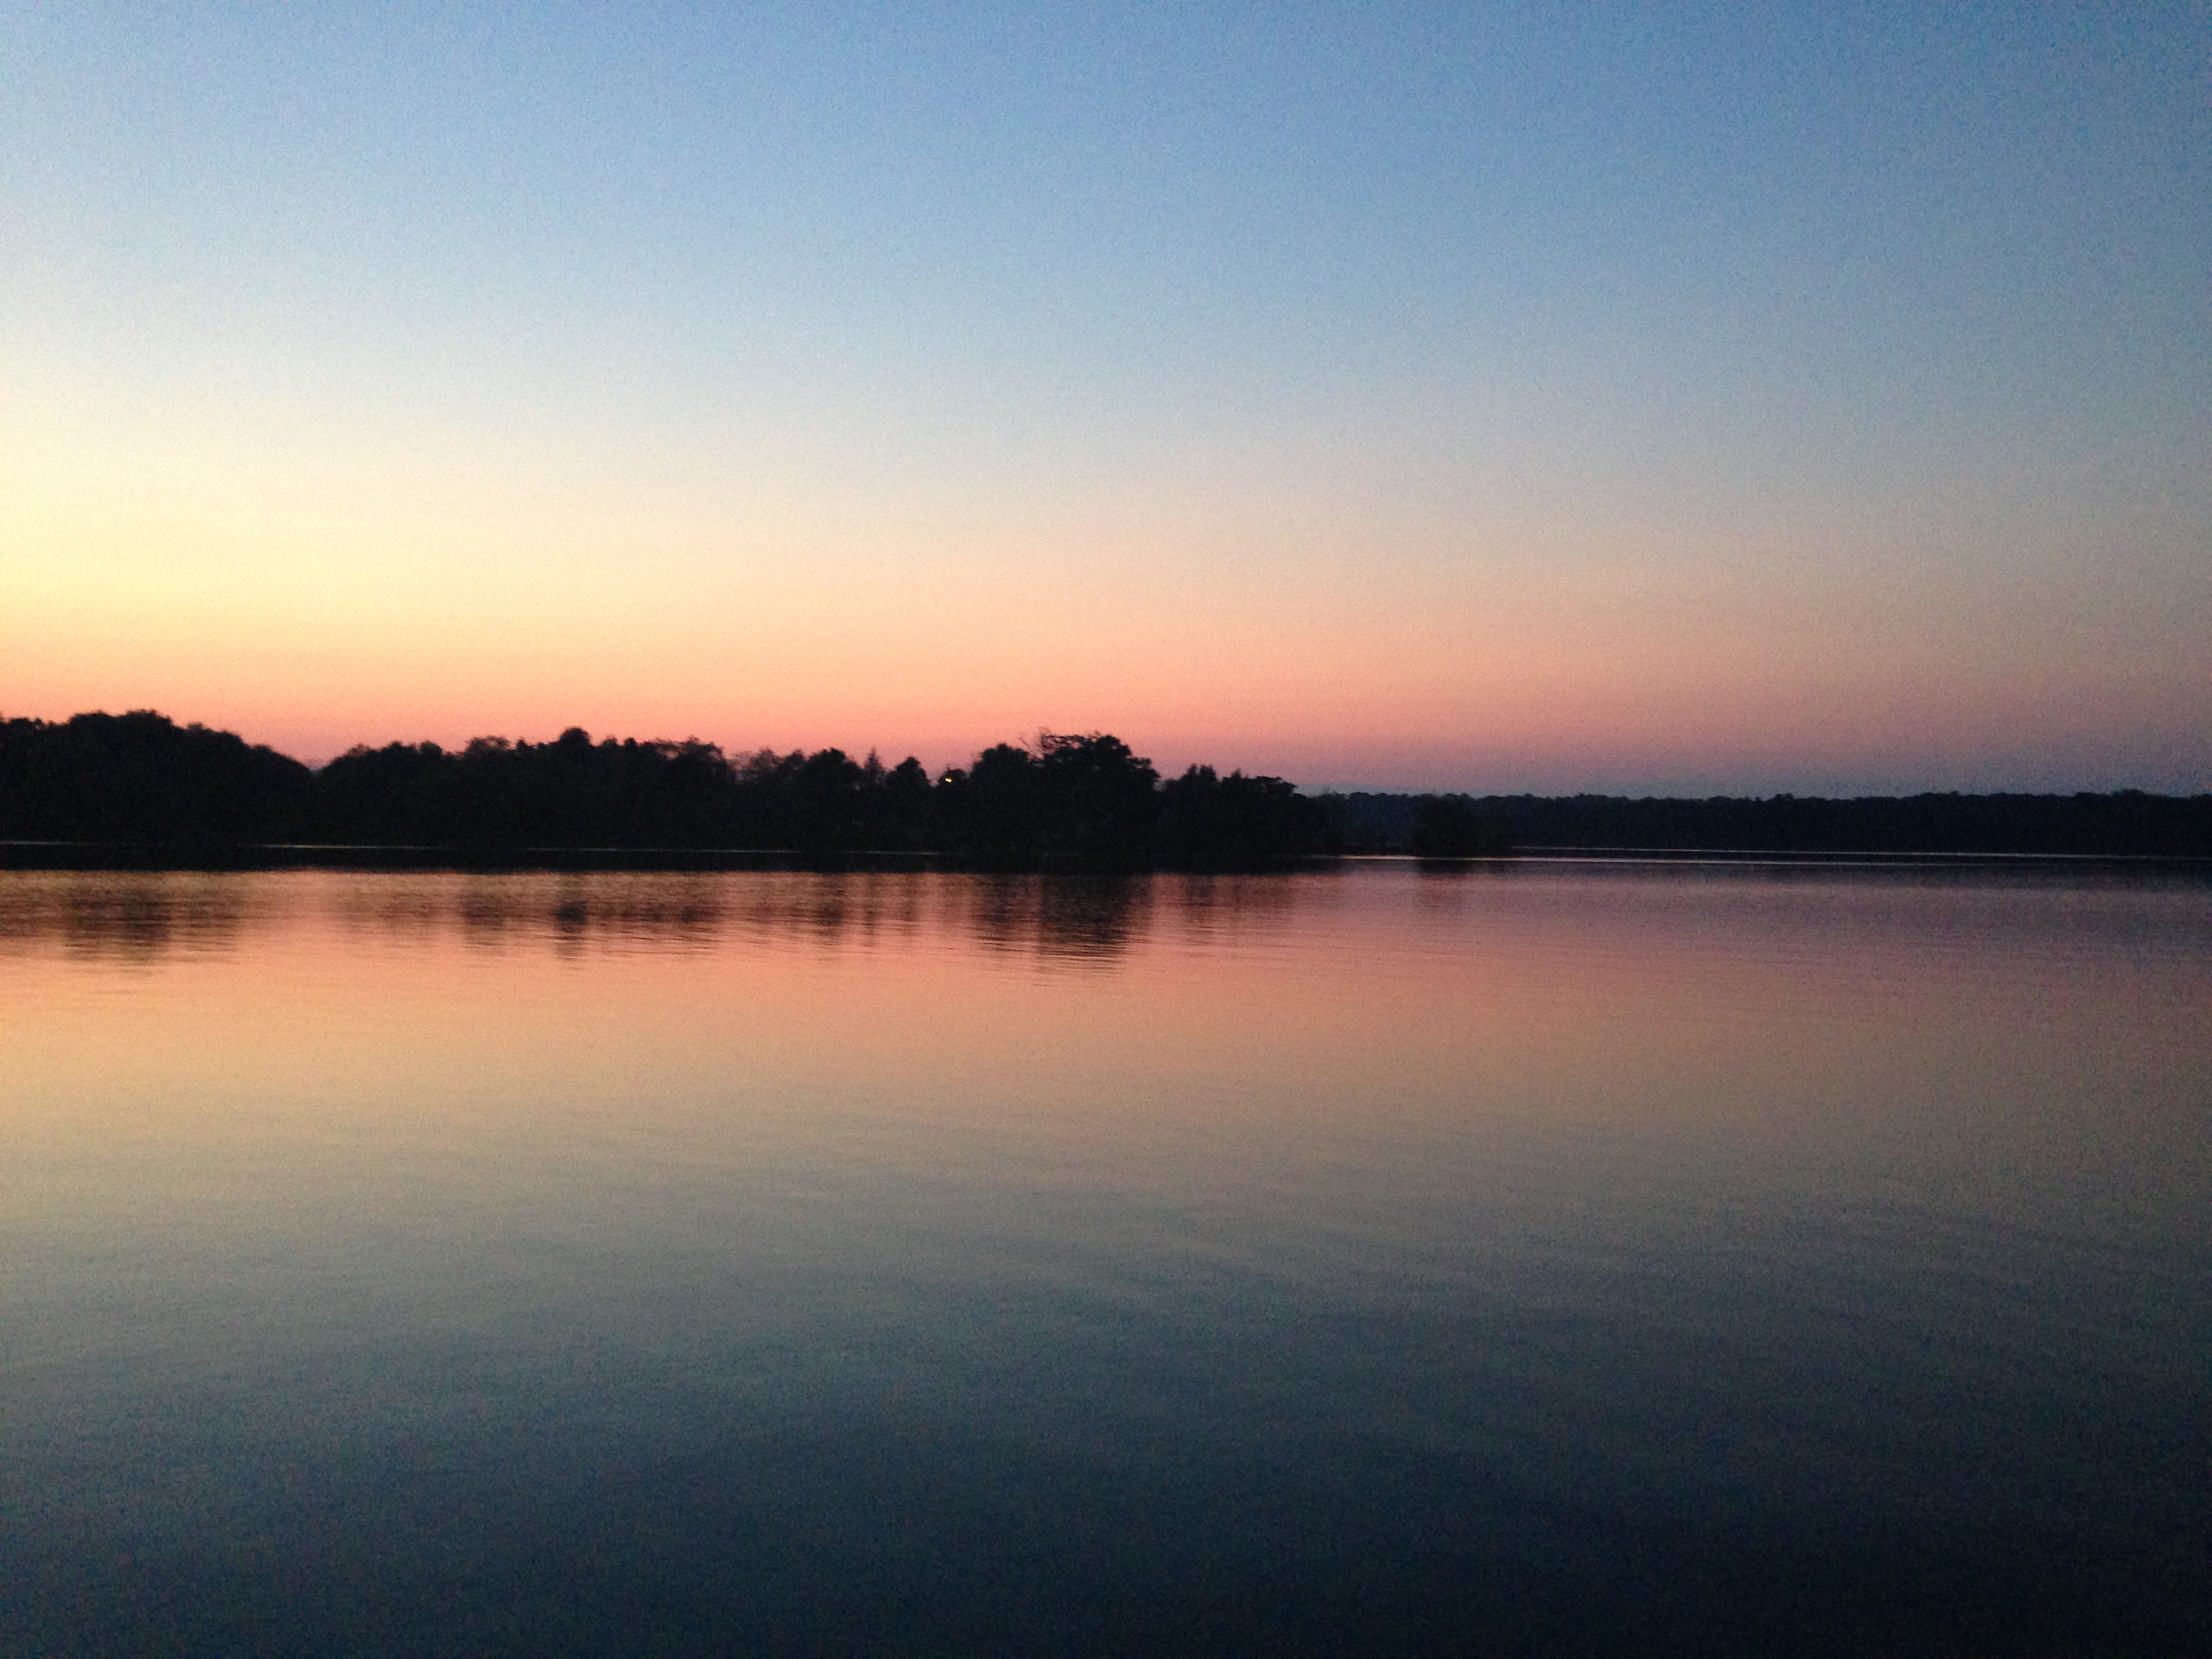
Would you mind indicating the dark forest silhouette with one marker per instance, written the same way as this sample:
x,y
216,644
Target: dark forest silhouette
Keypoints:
x,y
2127,823
1069,801
1079,802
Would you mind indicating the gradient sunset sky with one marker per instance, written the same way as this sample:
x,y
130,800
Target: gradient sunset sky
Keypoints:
x,y
1667,399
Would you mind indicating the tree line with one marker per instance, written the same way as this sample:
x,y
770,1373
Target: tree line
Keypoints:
x,y
1070,801
2126,823
1077,801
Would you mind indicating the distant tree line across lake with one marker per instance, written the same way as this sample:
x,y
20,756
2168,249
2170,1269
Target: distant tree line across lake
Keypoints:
x,y
1084,802
1065,801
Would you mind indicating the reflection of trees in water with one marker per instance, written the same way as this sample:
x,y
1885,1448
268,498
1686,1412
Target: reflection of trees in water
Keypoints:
x,y
567,909
1226,906
831,907
1063,915
1086,917
575,909
127,914
1082,917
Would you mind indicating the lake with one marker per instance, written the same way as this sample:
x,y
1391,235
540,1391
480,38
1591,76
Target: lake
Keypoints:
x,y
1546,1257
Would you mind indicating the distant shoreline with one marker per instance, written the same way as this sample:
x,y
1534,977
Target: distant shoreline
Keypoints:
x,y
63,857
191,797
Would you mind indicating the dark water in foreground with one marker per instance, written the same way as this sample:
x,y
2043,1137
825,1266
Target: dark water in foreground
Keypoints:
x,y
1560,1260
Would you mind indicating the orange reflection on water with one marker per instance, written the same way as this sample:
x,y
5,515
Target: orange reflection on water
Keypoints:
x,y
355,1041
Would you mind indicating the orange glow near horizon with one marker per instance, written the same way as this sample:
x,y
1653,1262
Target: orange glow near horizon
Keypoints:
x,y
480,1016
1279,612
308,615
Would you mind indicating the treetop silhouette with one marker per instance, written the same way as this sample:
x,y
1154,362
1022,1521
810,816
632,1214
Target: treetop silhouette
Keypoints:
x,y
1073,801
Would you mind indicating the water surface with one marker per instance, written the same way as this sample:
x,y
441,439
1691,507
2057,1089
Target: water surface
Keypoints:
x,y
1551,1258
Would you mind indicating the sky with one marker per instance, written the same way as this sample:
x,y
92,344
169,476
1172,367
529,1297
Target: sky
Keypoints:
x,y
1648,399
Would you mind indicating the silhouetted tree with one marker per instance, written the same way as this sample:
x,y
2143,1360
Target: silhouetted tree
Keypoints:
x,y
825,802
140,778
987,815
1207,822
1454,827
1098,805
1077,802
898,807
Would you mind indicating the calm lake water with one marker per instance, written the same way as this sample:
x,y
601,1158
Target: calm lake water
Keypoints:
x,y
1556,1258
